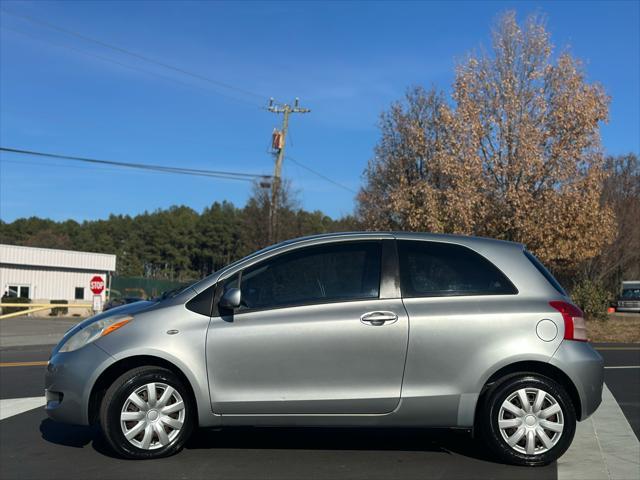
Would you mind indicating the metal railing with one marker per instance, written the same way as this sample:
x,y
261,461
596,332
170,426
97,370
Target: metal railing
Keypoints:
x,y
38,307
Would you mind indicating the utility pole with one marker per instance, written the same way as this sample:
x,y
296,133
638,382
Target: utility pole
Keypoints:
x,y
279,141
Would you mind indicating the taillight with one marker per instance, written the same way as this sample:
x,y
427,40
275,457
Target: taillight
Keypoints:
x,y
575,327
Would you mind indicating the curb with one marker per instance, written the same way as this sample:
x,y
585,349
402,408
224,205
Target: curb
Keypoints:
x,y
604,447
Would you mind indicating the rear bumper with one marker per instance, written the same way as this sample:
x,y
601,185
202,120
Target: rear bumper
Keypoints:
x,y
68,381
585,368
623,305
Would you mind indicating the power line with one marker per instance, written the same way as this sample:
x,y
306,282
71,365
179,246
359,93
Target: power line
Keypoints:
x,y
135,55
250,177
161,168
120,64
79,167
324,177
164,65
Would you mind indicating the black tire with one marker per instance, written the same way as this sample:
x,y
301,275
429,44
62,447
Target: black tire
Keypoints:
x,y
115,399
489,415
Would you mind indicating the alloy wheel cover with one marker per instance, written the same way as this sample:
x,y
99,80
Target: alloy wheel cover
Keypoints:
x,y
152,416
531,421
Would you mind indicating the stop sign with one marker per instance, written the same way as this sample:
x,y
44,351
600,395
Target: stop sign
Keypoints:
x,y
96,285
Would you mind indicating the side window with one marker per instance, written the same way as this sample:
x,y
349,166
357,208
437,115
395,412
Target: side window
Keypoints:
x,y
434,269
326,273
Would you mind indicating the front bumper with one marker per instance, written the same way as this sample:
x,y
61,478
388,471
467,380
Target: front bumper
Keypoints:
x,y
68,381
585,368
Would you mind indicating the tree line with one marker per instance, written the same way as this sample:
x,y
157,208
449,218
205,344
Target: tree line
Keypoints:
x,y
177,243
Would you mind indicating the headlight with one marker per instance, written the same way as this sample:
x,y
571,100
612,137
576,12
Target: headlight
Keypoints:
x,y
94,331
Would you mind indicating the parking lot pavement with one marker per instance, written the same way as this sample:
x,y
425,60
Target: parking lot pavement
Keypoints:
x,y
26,380
32,446
35,447
22,331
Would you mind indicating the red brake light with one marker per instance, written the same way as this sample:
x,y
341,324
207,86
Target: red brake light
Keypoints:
x,y
575,327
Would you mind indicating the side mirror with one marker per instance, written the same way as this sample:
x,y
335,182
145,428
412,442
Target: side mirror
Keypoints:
x,y
230,299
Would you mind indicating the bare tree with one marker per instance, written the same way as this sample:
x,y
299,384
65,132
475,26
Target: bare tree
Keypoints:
x,y
411,181
516,155
620,260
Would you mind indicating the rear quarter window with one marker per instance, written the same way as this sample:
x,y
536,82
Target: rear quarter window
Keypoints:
x,y
546,273
435,269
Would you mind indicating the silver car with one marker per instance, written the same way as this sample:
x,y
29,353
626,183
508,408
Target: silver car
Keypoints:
x,y
355,329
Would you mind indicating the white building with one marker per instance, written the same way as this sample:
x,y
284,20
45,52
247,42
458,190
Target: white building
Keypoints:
x,y
44,274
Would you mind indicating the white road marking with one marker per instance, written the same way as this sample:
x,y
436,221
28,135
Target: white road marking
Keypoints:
x,y
15,406
604,447
625,366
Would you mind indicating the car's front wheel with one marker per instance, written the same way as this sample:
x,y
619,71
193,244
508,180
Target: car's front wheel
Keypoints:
x,y
147,413
528,420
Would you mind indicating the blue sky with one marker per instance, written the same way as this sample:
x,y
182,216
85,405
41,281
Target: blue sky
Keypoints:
x,y
346,61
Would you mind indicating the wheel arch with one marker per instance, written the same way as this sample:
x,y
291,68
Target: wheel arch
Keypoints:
x,y
113,371
534,367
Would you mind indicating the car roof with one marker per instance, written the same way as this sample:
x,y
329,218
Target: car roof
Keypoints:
x,y
442,237
480,244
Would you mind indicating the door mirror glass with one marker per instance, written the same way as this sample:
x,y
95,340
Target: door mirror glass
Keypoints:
x,y
230,299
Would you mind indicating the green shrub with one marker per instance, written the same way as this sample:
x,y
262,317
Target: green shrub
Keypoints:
x,y
59,310
592,298
6,310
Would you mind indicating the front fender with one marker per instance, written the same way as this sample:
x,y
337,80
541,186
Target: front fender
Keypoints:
x,y
175,335
196,378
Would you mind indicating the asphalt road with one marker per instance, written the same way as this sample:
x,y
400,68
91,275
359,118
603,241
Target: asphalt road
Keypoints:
x,y
624,383
32,446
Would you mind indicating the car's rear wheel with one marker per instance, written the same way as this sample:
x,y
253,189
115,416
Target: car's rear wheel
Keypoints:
x,y
528,420
147,413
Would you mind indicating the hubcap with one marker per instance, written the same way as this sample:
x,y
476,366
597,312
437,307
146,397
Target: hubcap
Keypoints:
x,y
152,416
531,421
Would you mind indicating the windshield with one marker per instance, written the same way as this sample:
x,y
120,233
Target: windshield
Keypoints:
x,y
170,293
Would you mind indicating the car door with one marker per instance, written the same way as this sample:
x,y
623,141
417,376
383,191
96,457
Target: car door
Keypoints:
x,y
320,330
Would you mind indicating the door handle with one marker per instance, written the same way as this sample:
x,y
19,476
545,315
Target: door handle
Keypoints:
x,y
378,319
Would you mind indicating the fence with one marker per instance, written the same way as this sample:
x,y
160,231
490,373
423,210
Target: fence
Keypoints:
x,y
140,287
136,287
27,308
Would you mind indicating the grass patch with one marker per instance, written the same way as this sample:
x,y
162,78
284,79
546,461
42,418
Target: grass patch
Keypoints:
x,y
622,328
